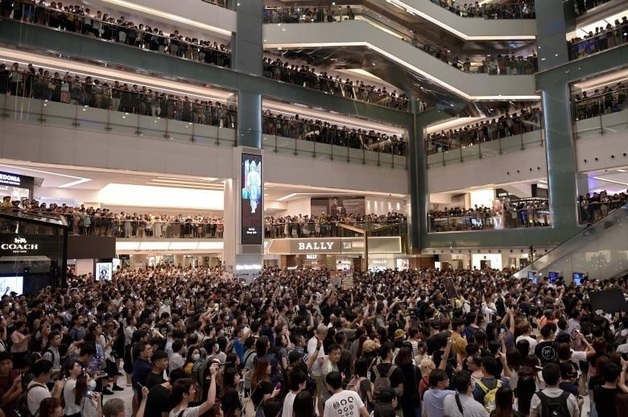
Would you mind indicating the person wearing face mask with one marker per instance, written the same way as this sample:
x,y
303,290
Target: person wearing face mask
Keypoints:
x,y
194,355
90,404
72,401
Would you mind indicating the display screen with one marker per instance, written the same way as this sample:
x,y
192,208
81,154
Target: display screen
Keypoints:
x,y
578,277
104,271
532,276
252,199
12,284
553,277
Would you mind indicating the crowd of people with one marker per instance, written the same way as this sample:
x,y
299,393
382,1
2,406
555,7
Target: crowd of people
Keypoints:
x,y
523,9
602,39
321,131
41,84
431,343
597,205
324,225
598,102
504,214
500,127
582,6
80,19
492,65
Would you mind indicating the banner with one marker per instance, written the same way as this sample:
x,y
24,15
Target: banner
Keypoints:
x,y
338,206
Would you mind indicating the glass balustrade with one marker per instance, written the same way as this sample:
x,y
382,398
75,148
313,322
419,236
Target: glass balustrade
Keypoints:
x,y
311,229
492,65
490,10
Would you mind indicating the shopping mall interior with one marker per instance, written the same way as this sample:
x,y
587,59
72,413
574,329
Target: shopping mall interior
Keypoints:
x,y
363,135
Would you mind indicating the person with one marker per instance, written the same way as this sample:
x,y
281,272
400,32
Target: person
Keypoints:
x,y
142,368
297,381
159,400
337,208
37,390
50,407
504,399
262,388
72,401
159,360
10,385
462,403
490,380
604,395
386,403
434,398
387,368
567,402
230,400
410,399
342,403
115,407
303,405
184,391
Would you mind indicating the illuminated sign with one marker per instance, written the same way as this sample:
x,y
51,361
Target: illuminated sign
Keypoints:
x,y
315,246
14,180
251,200
20,245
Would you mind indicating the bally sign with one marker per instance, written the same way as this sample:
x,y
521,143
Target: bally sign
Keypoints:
x,y
315,246
19,246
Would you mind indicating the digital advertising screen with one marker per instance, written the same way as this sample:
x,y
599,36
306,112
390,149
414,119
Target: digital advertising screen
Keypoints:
x,y
532,276
12,284
578,277
252,199
553,277
104,271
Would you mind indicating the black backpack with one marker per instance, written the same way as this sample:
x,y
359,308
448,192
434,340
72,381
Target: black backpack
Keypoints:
x,y
554,406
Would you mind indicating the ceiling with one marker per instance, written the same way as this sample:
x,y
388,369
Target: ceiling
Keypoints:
x,y
94,179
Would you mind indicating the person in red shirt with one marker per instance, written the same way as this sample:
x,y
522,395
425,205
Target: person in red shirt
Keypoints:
x,y
10,385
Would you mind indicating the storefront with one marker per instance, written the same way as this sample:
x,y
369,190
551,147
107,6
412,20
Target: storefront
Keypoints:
x,y
337,253
33,251
17,187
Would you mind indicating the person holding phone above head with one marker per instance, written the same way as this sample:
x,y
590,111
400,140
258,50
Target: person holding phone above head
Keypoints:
x,y
184,391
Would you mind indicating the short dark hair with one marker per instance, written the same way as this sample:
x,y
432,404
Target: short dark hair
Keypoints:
x,y
611,371
6,355
177,345
159,354
42,366
334,380
461,381
88,348
490,364
436,376
295,378
333,347
551,373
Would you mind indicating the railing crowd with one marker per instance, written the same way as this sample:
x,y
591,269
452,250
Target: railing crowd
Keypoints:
x,y
509,124
602,39
508,10
82,20
323,225
41,84
507,214
598,102
598,205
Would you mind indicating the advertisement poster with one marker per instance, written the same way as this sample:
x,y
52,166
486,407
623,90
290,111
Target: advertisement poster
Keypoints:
x,y
252,198
104,271
336,206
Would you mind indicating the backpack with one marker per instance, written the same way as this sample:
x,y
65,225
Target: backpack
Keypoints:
x,y
199,371
382,382
354,385
22,405
489,395
554,407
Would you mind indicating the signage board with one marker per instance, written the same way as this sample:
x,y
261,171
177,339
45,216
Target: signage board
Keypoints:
x,y
251,200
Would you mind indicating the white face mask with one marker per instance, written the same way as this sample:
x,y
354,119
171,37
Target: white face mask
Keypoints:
x,y
196,356
91,385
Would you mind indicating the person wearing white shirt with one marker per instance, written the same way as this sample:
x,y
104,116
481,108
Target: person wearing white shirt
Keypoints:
x,y
315,359
434,398
462,404
551,375
176,360
526,332
342,403
297,379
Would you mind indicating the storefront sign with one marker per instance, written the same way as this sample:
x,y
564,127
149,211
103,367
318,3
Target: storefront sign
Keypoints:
x,y
20,246
14,180
315,246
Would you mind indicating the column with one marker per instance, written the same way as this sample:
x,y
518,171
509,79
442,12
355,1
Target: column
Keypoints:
x,y
561,158
553,19
244,192
417,172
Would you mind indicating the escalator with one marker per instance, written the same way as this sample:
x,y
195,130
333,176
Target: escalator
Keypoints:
x,y
599,252
470,28
355,34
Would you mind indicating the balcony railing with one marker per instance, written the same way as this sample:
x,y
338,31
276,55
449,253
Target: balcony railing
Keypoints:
x,y
525,213
331,229
607,39
523,10
492,65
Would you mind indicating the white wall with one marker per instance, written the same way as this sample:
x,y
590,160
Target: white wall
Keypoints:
x,y
494,258
57,145
299,206
384,205
84,266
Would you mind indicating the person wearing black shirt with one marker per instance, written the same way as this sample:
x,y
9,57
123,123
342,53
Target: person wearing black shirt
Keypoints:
x,y
396,378
160,364
604,395
159,400
546,349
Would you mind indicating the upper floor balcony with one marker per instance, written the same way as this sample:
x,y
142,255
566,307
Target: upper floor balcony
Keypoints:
x,y
362,33
488,21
